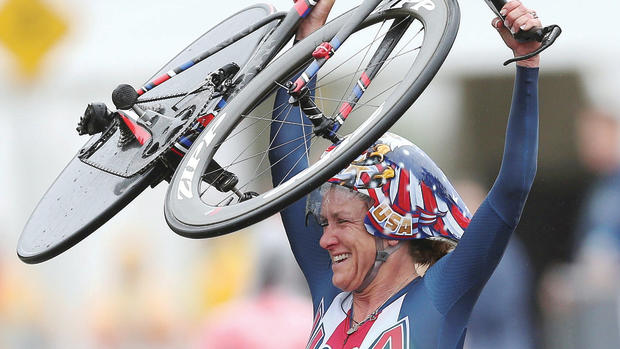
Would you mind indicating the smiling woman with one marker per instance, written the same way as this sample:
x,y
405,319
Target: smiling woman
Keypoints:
x,y
351,249
366,290
395,192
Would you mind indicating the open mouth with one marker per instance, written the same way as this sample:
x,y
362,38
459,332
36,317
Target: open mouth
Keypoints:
x,y
340,258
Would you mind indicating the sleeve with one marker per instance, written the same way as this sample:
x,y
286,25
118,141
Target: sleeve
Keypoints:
x,y
290,136
455,280
508,326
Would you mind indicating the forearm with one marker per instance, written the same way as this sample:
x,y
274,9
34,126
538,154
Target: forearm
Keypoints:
x,y
288,156
463,272
509,193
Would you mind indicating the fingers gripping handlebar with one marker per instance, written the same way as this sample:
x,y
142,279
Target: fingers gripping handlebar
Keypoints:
x,y
546,35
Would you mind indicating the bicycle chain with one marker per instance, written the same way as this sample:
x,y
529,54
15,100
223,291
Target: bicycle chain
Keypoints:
x,y
85,153
176,95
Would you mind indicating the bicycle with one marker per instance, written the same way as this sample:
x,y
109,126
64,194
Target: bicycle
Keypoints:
x,y
181,126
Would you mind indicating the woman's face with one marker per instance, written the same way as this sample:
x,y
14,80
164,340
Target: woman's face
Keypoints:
x,y
351,248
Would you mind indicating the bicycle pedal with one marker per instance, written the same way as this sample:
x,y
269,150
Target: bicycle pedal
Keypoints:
x,y
96,119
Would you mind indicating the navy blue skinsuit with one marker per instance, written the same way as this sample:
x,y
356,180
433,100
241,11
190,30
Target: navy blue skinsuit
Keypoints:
x,y
431,311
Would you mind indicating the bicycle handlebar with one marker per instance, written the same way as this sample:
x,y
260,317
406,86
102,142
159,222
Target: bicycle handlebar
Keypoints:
x,y
546,35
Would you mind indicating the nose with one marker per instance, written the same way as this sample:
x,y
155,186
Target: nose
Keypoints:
x,y
328,238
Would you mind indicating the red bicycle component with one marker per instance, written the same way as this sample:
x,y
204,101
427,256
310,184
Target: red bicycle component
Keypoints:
x,y
206,119
324,50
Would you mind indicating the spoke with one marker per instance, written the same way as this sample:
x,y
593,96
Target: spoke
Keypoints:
x,y
345,61
257,120
312,141
302,119
263,152
272,140
271,147
284,114
255,178
362,105
240,154
257,136
284,157
286,122
338,100
382,62
353,78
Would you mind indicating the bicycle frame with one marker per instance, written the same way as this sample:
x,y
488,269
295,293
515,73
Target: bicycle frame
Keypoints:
x,y
270,47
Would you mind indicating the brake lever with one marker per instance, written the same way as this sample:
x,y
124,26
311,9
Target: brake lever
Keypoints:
x,y
546,35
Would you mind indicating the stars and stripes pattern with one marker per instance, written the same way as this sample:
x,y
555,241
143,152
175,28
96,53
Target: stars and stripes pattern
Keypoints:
x,y
406,205
416,207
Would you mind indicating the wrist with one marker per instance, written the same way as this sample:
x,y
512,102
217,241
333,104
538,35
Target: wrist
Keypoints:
x,y
533,62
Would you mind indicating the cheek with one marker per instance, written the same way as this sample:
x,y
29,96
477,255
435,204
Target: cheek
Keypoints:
x,y
367,251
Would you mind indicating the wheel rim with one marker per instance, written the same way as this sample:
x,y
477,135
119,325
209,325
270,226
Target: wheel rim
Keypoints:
x,y
214,213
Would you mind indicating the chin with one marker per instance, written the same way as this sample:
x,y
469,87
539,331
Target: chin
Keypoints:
x,y
346,287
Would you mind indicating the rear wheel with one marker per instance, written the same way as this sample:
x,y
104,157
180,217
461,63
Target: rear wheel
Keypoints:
x,y
245,135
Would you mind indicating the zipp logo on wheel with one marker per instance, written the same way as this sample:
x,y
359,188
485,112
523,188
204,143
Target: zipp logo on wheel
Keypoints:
x,y
184,190
427,4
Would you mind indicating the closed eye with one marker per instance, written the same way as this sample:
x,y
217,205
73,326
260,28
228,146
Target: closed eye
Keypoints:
x,y
322,221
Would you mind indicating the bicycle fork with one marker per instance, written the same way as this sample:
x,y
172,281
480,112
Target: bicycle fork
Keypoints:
x,y
324,126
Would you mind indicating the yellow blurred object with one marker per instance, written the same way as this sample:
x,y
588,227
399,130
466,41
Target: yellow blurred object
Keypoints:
x,y
29,29
227,271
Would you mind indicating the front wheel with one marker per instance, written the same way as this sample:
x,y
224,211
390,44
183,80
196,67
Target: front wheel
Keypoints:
x,y
272,149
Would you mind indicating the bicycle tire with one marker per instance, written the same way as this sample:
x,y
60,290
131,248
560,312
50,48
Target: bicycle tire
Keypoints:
x,y
84,197
186,211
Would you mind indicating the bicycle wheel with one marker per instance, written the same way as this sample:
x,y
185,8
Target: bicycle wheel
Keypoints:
x,y
92,189
240,134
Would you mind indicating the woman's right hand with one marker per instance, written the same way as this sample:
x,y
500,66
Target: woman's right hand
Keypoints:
x,y
315,20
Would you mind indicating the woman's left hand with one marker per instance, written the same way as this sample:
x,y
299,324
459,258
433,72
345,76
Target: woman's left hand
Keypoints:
x,y
518,18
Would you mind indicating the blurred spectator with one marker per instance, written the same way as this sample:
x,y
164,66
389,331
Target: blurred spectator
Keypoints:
x,y
276,313
134,311
581,300
267,262
221,275
273,319
598,138
21,312
501,318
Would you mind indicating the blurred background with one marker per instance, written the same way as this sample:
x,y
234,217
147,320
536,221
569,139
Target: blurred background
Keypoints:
x,y
135,284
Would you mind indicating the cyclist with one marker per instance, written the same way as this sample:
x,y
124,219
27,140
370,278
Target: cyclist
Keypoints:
x,y
367,291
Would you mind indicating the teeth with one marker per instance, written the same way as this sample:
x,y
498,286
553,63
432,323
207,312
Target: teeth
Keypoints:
x,y
339,258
